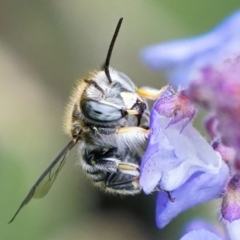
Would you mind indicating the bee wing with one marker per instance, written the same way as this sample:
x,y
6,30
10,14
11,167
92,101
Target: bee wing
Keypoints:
x,y
45,181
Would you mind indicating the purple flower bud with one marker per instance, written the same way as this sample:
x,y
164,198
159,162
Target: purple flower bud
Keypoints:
x,y
228,154
211,126
231,201
231,207
176,106
218,88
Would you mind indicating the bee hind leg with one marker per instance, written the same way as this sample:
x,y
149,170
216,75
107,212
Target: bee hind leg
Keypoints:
x,y
122,183
129,168
101,160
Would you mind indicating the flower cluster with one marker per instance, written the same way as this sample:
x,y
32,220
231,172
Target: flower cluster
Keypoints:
x,y
178,160
181,58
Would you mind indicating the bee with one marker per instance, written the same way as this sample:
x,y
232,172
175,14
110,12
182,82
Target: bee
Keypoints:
x,y
107,117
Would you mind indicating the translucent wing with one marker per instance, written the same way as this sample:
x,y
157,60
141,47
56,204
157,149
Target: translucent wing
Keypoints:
x,y
45,181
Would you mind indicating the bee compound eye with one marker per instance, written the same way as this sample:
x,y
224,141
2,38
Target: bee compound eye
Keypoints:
x,y
100,111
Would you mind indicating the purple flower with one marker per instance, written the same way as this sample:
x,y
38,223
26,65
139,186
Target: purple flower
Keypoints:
x,y
179,159
200,234
183,58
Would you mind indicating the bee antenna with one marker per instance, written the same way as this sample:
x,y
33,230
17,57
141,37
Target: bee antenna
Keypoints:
x,y
106,64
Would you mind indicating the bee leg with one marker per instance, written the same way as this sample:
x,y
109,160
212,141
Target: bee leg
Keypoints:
x,y
129,168
170,196
99,159
133,137
122,183
167,192
151,93
133,130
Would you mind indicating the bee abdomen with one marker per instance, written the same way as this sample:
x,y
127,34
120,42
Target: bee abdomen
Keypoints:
x,y
113,172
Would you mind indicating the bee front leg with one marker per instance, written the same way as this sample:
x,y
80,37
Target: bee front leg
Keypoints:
x,y
151,93
133,130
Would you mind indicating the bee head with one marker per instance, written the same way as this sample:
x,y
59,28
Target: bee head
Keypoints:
x,y
104,99
108,102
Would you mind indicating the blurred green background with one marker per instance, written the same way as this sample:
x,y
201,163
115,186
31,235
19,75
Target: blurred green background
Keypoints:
x,y
44,47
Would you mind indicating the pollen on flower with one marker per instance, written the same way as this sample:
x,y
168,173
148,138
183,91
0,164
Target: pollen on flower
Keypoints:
x,y
231,202
177,106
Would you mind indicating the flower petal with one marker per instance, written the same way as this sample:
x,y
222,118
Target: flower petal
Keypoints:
x,y
173,153
158,157
200,234
195,153
199,188
198,223
233,229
